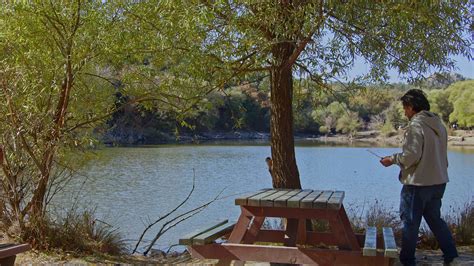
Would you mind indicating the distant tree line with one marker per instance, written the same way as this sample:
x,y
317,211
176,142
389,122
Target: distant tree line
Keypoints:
x,y
340,109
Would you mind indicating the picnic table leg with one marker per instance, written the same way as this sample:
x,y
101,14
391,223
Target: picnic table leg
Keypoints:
x,y
301,233
8,261
240,231
291,231
339,233
240,228
252,233
237,235
346,224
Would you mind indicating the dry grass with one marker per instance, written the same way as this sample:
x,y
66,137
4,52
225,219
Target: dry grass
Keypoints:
x,y
77,233
461,223
377,214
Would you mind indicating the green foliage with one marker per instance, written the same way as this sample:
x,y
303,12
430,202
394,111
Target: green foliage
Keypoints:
x,y
328,116
371,101
387,129
394,115
323,130
50,58
462,98
348,123
440,104
302,109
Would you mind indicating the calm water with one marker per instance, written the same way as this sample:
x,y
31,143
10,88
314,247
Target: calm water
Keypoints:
x,y
131,186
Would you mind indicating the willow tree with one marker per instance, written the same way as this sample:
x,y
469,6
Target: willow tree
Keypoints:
x,y
50,97
320,40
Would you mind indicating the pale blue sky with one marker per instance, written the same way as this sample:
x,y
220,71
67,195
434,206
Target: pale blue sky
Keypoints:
x,y
463,67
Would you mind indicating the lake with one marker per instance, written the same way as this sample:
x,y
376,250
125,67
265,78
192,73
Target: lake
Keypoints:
x,y
131,186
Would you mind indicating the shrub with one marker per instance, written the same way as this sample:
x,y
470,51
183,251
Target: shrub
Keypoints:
x,y
461,224
323,130
76,232
377,215
387,129
464,230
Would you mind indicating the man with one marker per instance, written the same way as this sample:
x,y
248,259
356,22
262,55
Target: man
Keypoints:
x,y
423,166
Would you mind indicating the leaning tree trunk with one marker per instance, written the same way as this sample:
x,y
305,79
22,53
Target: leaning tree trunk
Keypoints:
x,y
37,202
284,172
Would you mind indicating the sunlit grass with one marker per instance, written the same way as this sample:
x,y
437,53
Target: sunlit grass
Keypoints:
x,y
76,232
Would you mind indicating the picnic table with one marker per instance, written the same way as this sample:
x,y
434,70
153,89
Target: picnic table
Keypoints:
x,y
8,252
248,241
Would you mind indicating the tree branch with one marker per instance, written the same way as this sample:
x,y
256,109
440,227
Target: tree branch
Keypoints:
x,y
168,214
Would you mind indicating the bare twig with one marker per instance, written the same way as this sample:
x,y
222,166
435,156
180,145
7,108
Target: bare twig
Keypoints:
x,y
172,222
179,219
168,214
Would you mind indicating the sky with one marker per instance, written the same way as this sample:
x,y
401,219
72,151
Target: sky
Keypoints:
x,y
463,67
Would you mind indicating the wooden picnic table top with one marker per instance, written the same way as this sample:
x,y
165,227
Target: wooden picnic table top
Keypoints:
x,y
293,198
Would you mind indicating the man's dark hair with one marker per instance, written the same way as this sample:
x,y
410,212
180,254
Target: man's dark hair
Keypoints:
x,y
416,99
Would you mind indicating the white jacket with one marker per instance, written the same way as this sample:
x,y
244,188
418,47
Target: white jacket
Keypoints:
x,y
424,158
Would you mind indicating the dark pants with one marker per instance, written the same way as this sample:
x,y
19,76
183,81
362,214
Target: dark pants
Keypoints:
x,y
423,201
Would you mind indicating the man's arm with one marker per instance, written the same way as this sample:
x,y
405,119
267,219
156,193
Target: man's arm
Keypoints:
x,y
411,151
412,148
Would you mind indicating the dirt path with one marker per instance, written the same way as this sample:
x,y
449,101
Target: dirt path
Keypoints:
x,y
424,258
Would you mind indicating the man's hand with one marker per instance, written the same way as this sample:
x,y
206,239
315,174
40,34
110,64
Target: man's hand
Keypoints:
x,y
386,161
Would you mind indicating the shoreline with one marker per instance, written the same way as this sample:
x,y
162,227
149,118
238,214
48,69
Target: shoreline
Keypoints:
x,y
373,138
465,141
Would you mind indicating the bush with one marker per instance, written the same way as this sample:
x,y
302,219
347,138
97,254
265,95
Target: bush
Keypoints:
x,y
78,233
459,220
323,130
387,130
464,230
461,223
378,215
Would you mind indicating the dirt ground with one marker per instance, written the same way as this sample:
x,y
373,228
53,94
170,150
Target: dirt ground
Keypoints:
x,y
424,258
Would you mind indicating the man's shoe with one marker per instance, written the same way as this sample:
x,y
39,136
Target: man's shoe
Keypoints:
x,y
452,262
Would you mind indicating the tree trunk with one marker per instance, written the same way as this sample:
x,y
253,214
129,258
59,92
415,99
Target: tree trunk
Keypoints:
x,y
285,172
39,194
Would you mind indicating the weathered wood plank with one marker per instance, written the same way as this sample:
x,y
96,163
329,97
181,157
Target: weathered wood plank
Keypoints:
x,y
242,200
294,202
255,200
211,235
281,201
188,239
335,201
8,252
321,201
307,202
389,243
370,246
268,200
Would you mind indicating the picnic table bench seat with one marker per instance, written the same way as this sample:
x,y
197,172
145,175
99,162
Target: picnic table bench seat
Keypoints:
x,y
8,252
208,234
372,246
